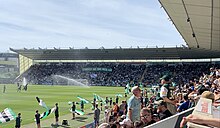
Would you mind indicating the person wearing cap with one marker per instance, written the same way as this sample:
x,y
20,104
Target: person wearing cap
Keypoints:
x,y
134,105
162,109
165,93
56,113
18,121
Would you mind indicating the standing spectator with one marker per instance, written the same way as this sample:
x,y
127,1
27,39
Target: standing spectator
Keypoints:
x,y
18,121
4,88
82,106
101,105
19,88
116,99
96,116
146,100
37,118
134,105
73,110
94,102
110,102
115,110
107,114
56,113
106,100
25,87
122,108
165,93
142,100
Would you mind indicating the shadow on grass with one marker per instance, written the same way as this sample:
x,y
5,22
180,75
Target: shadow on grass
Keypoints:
x,y
81,119
91,113
58,126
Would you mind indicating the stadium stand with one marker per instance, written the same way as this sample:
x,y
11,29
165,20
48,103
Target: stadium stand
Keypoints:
x,y
119,74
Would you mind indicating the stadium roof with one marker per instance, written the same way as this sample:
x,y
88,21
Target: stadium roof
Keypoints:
x,y
117,54
198,21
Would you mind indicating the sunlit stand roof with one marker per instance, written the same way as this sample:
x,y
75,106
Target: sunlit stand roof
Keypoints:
x,y
196,20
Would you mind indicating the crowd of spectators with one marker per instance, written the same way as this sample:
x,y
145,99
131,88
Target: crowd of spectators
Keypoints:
x,y
137,113
177,91
119,74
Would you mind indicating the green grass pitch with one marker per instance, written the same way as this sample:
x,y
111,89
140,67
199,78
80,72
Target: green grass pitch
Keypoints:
x,y
26,103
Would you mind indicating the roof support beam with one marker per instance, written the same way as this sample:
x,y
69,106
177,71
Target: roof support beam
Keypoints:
x,y
212,7
188,20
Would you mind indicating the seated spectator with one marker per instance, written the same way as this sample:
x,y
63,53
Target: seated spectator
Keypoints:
x,y
156,117
162,109
185,105
146,117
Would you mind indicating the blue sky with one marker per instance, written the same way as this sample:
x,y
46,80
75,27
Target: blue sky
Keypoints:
x,y
85,23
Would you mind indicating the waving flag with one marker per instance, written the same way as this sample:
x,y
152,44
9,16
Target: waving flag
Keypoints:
x,y
41,103
78,112
83,100
47,113
48,110
120,95
7,115
97,97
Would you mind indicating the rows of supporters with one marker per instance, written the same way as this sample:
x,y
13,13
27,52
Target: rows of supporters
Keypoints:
x,y
115,74
140,110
